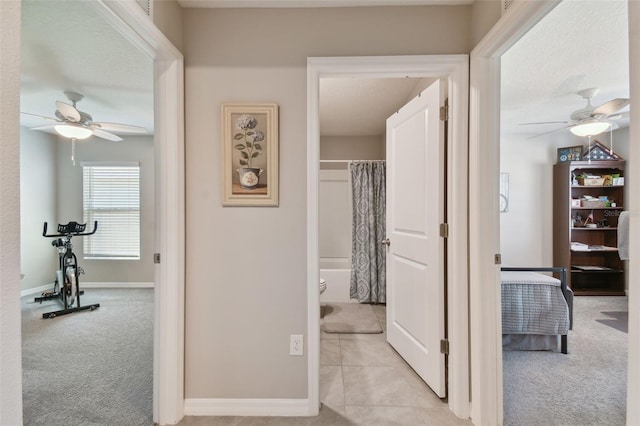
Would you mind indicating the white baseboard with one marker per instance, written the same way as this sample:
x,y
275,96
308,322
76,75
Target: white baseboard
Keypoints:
x,y
246,407
47,287
36,290
103,284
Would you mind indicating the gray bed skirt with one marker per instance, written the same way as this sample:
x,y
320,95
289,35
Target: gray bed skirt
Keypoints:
x,y
537,309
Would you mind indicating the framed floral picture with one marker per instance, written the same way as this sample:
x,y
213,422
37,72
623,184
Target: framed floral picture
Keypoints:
x,y
250,154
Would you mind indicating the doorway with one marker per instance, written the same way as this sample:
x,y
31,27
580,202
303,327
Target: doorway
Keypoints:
x,y
484,235
529,154
454,69
354,348
64,180
169,143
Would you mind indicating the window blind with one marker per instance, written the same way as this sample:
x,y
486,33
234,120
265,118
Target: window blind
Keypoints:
x,y
111,196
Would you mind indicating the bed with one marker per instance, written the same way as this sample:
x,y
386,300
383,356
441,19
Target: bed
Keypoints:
x,y
537,309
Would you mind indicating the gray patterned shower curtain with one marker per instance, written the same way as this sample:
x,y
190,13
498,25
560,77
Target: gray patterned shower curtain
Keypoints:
x,y
368,256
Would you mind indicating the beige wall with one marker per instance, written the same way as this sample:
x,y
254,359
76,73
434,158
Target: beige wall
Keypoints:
x,y
334,212
69,186
42,199
167,16
484,15
246,267
526,230
38,201
352,148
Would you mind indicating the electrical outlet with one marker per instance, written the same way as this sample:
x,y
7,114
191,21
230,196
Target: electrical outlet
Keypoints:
x,y
296,345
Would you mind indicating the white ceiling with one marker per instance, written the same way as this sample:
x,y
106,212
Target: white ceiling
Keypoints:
x,y
315,3
361,106
66,46
578,45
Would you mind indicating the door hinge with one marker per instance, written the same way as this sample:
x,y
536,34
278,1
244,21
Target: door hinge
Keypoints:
x,y
444,113
156,257
444,230
444,346
497,259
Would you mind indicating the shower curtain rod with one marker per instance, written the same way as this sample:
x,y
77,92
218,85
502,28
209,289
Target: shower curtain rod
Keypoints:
x,y
346,161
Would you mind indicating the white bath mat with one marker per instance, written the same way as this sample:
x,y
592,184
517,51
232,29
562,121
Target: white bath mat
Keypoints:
x,y
350,318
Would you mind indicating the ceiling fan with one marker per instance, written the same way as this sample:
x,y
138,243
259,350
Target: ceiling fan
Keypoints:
x,y
74,124
590,120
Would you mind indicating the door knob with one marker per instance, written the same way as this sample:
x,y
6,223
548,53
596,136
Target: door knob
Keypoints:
x,y
386,242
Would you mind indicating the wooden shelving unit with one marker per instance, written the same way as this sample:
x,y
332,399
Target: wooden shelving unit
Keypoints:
x,y
590,254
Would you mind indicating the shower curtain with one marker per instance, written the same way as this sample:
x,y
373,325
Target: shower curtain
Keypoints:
x,y
368,256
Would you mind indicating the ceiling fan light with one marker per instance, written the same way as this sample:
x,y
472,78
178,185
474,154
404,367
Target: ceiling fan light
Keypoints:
x,y
590,128
73,131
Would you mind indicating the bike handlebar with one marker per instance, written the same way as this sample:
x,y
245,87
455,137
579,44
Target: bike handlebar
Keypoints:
x,y
71,228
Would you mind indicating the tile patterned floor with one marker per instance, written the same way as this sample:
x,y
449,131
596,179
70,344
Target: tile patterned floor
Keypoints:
x,y
363,381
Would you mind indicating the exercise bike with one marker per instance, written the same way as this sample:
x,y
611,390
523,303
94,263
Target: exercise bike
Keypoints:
x,y
67,285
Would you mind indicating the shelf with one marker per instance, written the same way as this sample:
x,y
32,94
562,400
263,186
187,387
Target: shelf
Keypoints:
x,y
597,292
592,271
598,208
604,270
608,228
597,186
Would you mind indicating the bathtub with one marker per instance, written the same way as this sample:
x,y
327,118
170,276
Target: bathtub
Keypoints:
x,y
337,272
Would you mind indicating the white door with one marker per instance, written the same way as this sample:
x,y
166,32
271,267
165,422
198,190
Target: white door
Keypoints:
x,y
415,253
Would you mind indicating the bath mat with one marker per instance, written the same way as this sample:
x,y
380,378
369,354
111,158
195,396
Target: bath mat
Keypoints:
x,y
350,318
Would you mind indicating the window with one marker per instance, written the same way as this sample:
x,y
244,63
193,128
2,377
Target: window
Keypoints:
x,y
111,196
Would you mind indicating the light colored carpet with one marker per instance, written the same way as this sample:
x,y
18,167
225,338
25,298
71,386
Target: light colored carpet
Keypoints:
x,y
350,318
617,320
89,367
585,387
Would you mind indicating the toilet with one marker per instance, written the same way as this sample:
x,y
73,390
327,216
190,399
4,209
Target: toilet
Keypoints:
x,y
323,287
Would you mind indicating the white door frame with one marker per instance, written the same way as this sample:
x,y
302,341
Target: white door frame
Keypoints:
x,y
633,367
455,68
128,19
484,225
484,221
10,315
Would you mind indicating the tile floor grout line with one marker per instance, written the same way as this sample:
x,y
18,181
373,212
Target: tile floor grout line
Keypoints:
x,y
344,393
348,338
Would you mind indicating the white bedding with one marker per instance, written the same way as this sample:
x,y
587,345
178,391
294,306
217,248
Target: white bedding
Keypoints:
x,y
528,277
533,303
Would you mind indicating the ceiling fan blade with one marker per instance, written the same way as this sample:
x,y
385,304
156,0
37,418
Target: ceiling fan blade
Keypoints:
x,y
550,131
117,127
45,127
545,122
611,107
618,116
106,135
44,117
68,112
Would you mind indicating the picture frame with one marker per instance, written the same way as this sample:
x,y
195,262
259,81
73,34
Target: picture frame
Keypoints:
x,y
250,154
570,153
504,192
